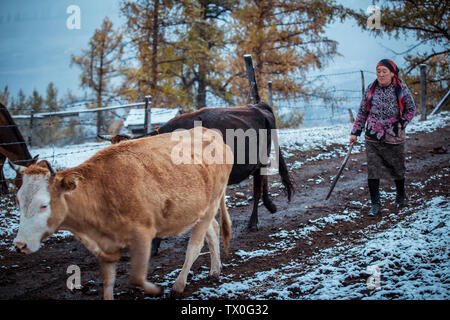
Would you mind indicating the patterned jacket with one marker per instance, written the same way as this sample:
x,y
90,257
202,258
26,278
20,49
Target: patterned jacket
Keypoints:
x,y
383,116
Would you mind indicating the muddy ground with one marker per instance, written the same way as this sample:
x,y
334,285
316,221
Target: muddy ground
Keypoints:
x,y
43,275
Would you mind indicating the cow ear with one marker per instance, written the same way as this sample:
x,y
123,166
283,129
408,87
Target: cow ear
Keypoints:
x,y
70,181
35,159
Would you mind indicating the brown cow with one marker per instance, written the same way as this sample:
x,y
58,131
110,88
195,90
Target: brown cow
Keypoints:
x,y
126,195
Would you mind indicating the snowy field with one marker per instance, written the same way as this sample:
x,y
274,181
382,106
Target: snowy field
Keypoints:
x,y
408,260
405,262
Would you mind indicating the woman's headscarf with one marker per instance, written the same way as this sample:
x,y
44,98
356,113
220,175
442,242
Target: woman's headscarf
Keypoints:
x,y
398,88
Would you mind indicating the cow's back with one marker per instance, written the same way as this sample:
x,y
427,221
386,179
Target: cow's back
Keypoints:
x,y
238,117
241,117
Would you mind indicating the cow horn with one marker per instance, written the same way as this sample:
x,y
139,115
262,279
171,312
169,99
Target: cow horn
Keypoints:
x,y
108,137
17,168
46,164
52,172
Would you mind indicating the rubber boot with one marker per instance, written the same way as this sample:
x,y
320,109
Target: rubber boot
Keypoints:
x,y
374,189
401,195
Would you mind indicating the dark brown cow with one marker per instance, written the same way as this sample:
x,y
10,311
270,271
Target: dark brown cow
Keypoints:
x,y
13,147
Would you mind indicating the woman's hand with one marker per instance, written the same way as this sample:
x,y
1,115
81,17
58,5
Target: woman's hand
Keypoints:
x,y
353,139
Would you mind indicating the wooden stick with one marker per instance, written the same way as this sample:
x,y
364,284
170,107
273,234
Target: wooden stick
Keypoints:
x,y
340,171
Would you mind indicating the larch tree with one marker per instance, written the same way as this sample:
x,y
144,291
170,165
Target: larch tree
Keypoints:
x,y
35,103
18,105
99,65
147,22
286,39
51,99
49,128
177,45
200,42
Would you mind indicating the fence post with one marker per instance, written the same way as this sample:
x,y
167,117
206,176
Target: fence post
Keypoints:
x,y
270,93
441,103
99,122
251,78
148,115
30,131
423,92
352,119
362,83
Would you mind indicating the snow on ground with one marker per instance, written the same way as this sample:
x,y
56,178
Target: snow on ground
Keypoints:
x,y
407,261
9,222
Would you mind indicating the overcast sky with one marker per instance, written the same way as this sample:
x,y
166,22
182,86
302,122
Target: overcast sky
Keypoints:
x,y
36,44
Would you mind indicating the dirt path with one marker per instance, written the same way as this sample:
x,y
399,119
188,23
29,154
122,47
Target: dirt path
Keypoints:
x,y
43,275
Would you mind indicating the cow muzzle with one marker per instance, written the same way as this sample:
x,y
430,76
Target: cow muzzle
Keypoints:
x,y
22,247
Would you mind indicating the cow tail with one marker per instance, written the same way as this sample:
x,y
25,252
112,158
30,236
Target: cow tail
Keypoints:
x,y
282,168
285,178
225,224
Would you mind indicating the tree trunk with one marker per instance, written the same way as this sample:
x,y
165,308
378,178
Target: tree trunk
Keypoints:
x,y
154,59
201,90
99,97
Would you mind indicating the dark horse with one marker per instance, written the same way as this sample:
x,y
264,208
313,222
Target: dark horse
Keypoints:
x,y
257,117
13,147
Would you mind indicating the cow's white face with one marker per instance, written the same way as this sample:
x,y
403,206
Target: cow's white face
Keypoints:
x,y
34,205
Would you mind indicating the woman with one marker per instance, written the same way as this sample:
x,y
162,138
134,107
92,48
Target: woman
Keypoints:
x,y
386,109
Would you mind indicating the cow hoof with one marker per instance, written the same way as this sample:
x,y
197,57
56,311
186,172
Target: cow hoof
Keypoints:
x,y
252,228
151,289
157,294
175,295
213,280
271,207
214,276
